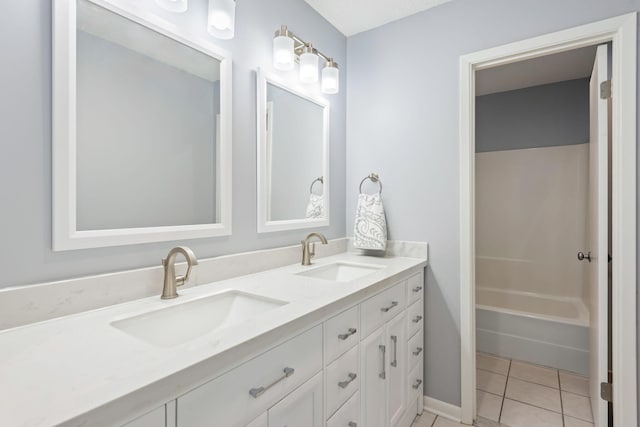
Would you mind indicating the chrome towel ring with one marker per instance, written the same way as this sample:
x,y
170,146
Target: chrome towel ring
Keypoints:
x,y
318,179
373,177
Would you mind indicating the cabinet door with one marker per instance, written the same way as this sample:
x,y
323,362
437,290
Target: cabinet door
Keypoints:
x,y
301,408
374,369
397,368
155,418
261,421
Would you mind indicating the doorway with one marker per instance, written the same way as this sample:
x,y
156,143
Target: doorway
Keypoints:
x,y
621,32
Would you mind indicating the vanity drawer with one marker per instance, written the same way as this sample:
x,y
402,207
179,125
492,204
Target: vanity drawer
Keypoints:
x,y
415,350
380,308
415,287
341,333
348,415
155,418
226,400
414,383
342,380
415,315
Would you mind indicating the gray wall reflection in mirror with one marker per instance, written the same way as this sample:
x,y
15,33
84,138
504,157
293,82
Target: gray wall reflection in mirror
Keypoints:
x,y
146,126
295,152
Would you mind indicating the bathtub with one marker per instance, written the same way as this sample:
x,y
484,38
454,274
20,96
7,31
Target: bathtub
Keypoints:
x,y
549,331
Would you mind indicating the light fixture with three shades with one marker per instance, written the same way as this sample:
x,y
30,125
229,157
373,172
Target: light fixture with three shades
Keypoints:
x,y
289,49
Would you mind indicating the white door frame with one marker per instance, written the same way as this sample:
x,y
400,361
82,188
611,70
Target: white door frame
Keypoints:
x,y
621,31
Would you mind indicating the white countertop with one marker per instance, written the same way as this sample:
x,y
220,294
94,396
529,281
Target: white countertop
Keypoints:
x,y
80,370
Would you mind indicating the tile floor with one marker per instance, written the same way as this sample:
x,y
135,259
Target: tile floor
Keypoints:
x,y
519,394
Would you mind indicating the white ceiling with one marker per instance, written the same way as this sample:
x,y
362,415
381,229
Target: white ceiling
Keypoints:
x,y
355,16
570,65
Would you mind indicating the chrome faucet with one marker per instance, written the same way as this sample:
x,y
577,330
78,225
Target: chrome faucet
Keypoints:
x,y
309,249
171,281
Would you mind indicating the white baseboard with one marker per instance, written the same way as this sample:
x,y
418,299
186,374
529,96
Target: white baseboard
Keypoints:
x,y
444,409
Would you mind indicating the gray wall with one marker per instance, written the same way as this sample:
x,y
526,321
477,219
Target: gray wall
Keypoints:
x,y
540,116
25,140
403,123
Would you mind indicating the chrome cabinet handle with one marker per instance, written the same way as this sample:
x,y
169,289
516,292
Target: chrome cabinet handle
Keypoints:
x,y
582,256
383,374
417,384
394,362
418,351
350,332
344,384
255,392
417,319
385,309
417,289
352,424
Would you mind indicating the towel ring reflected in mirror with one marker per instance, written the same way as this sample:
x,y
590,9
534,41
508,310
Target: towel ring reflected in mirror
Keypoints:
x,y
373,177
318,179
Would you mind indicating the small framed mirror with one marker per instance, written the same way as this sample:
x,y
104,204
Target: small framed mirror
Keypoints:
x,y
141,128
293,157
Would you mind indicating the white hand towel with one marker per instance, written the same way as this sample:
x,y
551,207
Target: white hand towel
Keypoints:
x,y
315,207
370,231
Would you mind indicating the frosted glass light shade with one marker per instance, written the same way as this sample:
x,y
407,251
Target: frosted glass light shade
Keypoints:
x,y
330,79
308,67
221,18
283,57
173,5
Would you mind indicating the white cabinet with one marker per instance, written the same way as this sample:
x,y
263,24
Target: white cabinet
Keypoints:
x,y
348,415
301,408
373,366
155,418
397,368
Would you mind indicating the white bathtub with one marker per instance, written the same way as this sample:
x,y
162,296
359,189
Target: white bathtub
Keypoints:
x,y
534,328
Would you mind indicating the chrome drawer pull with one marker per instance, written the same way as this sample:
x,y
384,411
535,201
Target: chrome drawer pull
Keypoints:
x,y
344,384
417,289
383,374
417,384
417,319
350,332
418,351
394,363
385,309
255,392
352,424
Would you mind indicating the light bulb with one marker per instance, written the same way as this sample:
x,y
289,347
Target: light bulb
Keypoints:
x,y
330,78
173,5
308,65
221,19
283,56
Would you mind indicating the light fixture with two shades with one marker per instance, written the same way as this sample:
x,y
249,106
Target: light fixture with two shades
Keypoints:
x,y
220,19
289,49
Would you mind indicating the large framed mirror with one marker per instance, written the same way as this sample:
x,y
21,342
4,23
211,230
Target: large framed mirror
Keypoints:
x,y
293,156
141,128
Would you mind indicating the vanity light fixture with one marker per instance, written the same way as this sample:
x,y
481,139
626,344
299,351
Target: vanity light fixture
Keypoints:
x,y
173,5
289,48
221,18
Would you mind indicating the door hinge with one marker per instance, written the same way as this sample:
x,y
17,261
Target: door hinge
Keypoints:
x,y
605,89
606,391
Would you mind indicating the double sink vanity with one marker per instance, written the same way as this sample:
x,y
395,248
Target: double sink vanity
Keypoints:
x,y
335,343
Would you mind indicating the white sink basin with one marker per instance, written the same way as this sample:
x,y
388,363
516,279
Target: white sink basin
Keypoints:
x,y
180,323
341,271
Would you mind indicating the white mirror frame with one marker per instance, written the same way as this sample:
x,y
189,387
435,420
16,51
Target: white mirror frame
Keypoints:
x,y
66,236
264,225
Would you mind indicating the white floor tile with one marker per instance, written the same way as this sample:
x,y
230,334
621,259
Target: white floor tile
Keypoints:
x,y
424,420
574,383
443,422
534,373
576,406
533,394
492,363
516,414
491,382
574,422
488,405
